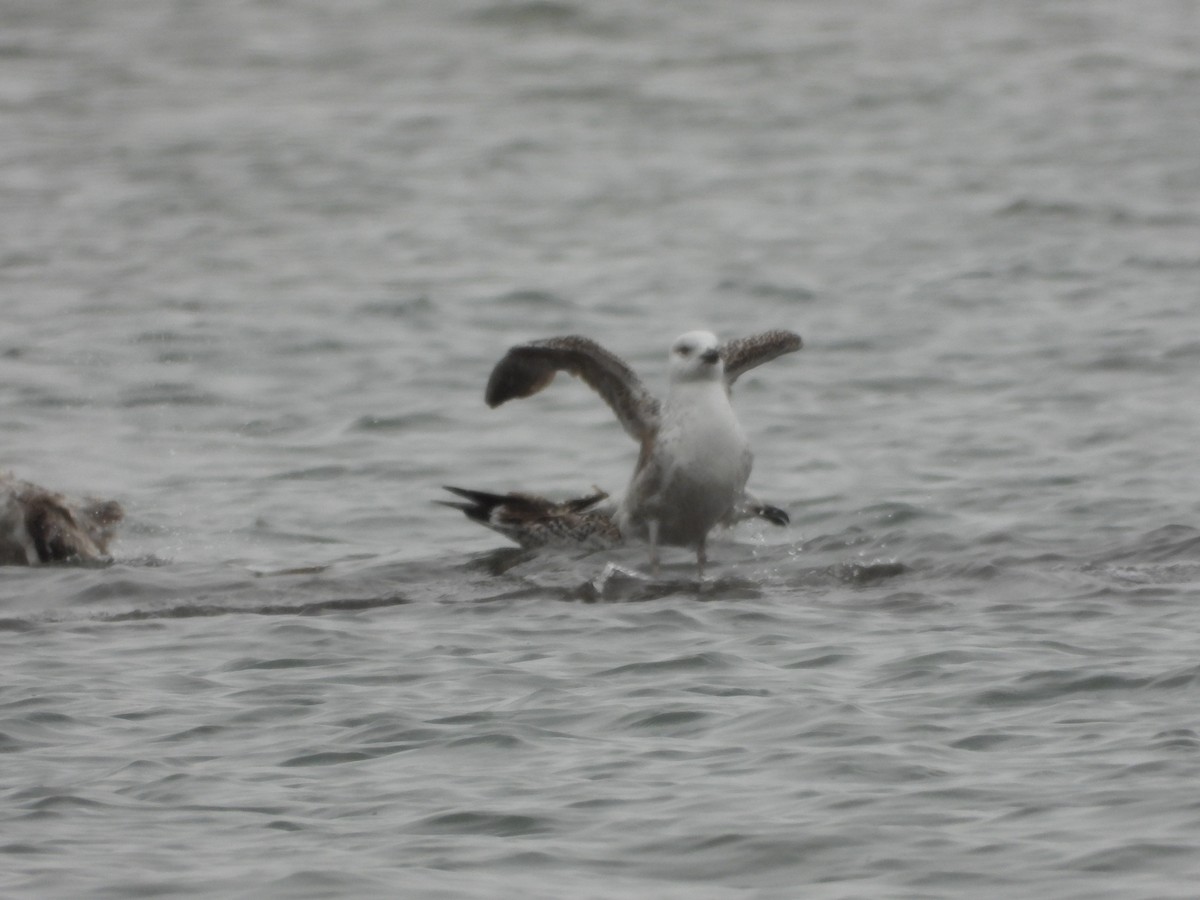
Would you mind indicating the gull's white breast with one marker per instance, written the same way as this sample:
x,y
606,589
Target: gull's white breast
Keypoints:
x,y
697,468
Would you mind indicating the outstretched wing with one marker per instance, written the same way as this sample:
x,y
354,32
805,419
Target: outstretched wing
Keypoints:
x,y
528,368
743,354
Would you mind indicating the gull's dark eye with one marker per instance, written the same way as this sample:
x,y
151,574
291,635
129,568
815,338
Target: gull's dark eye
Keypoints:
x,y
684,350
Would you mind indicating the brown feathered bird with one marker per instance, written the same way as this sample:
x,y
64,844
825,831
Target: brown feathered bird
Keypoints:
x,y
42,526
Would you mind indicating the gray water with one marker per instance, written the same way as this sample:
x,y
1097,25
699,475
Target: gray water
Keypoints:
x,y
256,261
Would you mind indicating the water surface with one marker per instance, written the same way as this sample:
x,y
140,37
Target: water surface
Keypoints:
x,y
256,263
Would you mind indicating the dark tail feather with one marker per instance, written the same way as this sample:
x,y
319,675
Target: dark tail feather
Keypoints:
x,y
473,512
479,498
481,505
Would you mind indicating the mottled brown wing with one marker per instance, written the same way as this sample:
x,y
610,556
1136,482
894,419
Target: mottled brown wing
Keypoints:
x,y
528,368
743,354
54,531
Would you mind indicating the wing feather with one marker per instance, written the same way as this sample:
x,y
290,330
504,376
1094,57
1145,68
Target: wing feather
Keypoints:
x,y
743,354
529,368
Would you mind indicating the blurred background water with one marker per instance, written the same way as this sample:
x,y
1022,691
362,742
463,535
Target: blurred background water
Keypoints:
x,y
256,261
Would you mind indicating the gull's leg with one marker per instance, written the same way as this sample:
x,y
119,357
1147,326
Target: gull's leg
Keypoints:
x,y
652,528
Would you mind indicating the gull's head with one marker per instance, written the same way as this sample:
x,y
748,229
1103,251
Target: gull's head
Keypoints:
x,y
696,356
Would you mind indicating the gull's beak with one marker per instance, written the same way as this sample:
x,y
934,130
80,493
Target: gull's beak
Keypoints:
x,y
710,356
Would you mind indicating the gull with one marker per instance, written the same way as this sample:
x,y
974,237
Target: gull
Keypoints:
x,y
41,526
536,522
694,459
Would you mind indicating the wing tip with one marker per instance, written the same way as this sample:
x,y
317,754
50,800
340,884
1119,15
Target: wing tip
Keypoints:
x,y
774,515
515,376
790,340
